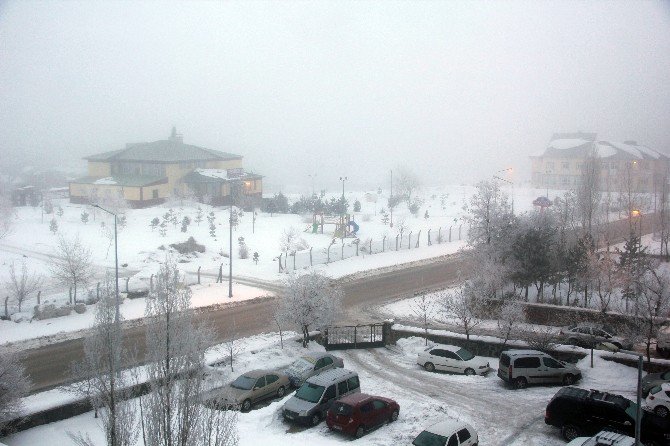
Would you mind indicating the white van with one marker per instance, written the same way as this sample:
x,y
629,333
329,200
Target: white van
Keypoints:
x,y
313,399
523,367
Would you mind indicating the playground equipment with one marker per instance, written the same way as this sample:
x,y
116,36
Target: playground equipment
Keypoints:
x,y
344,224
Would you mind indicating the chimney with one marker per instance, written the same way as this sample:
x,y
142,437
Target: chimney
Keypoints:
x,y
176,137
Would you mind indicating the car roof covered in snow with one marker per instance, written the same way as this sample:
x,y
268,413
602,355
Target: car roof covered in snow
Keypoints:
x,y
330,376
448,427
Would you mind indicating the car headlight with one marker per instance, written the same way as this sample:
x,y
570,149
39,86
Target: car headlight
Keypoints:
x,y
302,413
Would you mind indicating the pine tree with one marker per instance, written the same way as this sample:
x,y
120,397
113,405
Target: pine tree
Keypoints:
x,y
53,225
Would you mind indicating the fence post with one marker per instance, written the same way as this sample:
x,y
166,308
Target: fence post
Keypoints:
x,y
384,244
370,246
310,256
409,240
342,253
280,268
357,248
70,295
128,280
449,234
39,293
355,337
429,243
396,242
439,235
328,259
459,231
6,311
418,239
199,275
293,254
151,283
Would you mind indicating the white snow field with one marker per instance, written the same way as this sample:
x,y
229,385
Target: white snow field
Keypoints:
x,y
500,415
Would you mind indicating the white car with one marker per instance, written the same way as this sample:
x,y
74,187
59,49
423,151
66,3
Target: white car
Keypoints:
x,y
658,400
449,358
603,438
449,433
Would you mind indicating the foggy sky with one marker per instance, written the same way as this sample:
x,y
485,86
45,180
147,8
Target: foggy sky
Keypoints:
x,y
459,90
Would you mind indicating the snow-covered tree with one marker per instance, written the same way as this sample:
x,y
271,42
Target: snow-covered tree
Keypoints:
x,y
22,284
357,206
588,193
14,385
105,385
488,214
309,301
6,215
173,411
71,265
154,223
84,217
59,211
511,315
53,226
652,305
184,223
423,307
408,183
461,305
198,216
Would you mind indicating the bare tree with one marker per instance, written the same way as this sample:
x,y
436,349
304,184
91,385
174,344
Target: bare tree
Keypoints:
x,y
510,316
71,265
230,343
14,385
309,301
6,215
408,183
104,384
22,284
588,192
173,414
652,305
423,307
463,306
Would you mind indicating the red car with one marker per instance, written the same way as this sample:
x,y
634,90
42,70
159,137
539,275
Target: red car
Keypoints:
x,y
358,413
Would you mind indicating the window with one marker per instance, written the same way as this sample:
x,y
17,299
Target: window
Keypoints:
x,y
463,435
378,404
438,352
353,383
260,382
451,355
342,388
565,165
320,363
453,441
327,361
330,393
154,193
271,378
527,363
552,363
365,408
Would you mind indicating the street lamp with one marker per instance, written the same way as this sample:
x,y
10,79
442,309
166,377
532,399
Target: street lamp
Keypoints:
x,y
117,320
312,178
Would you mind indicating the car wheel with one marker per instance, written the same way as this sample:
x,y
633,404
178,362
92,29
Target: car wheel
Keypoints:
x,y
360,431
281,392
469,372
394,416
661,411
570,432
316,419
429,366
246,405
568,380
520,383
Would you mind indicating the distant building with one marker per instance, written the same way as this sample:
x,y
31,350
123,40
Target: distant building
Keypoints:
x,y
146,174
622,165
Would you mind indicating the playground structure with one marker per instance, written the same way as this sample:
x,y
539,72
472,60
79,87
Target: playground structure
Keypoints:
x,y
345,226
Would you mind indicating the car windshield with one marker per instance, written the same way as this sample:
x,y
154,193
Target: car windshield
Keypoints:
x,y
310,392
302,365
655,390
342,409
465,355
631,410
243,382
426,438
665,375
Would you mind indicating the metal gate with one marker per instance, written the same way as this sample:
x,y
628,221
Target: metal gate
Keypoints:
x,y
354,336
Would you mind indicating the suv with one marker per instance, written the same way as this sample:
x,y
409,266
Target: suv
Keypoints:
x,y
579,411
523,367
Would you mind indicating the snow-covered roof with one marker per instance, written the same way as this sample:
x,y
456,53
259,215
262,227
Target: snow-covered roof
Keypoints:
x,y
562,144
567,145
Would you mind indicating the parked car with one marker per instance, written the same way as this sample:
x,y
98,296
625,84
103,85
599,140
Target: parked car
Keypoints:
x,y
652,380
588,335
449,358
310,365
357,413
604,438
658,400
248,389
580,412
312,400
663,341
523,367
448,433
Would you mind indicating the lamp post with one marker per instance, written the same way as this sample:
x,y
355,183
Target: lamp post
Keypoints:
x,y
343,179
312,176
391,198
117,317
343,209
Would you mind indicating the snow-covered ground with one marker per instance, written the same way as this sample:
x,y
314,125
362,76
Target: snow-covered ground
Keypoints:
x,y
500,415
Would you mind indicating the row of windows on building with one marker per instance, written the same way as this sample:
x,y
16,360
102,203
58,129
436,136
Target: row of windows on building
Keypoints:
x,y
153,169
565,165
568,180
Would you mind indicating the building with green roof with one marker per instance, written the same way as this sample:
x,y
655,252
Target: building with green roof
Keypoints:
x,y
146,174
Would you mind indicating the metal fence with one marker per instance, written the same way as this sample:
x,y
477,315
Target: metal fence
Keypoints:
x,y
341,249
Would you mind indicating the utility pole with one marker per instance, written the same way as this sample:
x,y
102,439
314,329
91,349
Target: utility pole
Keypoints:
x,y
391,199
